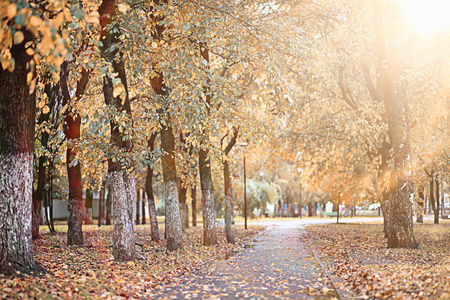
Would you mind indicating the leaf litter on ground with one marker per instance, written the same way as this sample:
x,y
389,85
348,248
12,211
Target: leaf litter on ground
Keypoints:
x,y
358,254
89,271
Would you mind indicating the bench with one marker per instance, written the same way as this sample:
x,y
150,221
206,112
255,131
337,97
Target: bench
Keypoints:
x,y
329,214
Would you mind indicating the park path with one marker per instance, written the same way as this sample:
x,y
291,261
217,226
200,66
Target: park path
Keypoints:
x,y
279,265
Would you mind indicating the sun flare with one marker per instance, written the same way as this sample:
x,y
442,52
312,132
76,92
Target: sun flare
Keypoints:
x,y
429,16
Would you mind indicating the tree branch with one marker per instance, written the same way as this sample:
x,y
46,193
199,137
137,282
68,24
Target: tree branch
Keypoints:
x,y
345,94
373,92
232,141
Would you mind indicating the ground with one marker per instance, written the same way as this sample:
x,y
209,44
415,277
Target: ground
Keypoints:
x,y
358,255
275,259
90,271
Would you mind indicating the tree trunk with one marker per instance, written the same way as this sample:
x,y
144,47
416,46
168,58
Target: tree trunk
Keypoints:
x,y
138,208
50,197
182,191
101,200
194,205
208,211
312,209
173,230
228,188
73,134
228,202
144,221
334,209
421,203
17,115
400,209
108,206
123,189
438,206
434,197
38,195
122,182
88,202
149,190
206,184
386,186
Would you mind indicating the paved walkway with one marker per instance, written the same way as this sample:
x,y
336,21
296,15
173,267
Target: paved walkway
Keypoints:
x,y
278,266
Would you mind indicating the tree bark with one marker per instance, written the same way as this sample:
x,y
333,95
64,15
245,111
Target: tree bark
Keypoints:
x,y
101,200
88,206
123,190
229,189
385,191
194,205
182,193
434,197
122,182
437,200
228,203
138,208
206,184
108,206
17,115
421,203
400,207
38,195
208,211
144,221
149,190
73,134
173,230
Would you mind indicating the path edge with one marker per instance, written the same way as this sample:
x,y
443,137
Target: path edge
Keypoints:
x,y
341,293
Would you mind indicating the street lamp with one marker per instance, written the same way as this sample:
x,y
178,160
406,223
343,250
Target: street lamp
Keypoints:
x,y
244,144
300,202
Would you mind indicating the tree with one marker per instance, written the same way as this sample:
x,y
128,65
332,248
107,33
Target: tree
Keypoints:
x,y
400,232
149,190
50,93
228,187
72,132
20,52
204,165
17,112
121,180
173,217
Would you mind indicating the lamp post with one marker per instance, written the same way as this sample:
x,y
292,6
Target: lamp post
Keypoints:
x,y
300,201
261,174
244,144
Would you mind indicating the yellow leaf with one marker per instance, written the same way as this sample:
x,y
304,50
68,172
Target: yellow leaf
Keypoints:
x,y
117,90
45,110
154,45
30,51
123,8
41,104
18,37
11,11
5,64
29,77
34,21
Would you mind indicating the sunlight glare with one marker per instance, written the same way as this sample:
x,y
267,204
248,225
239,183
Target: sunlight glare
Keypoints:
x,y
428,16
